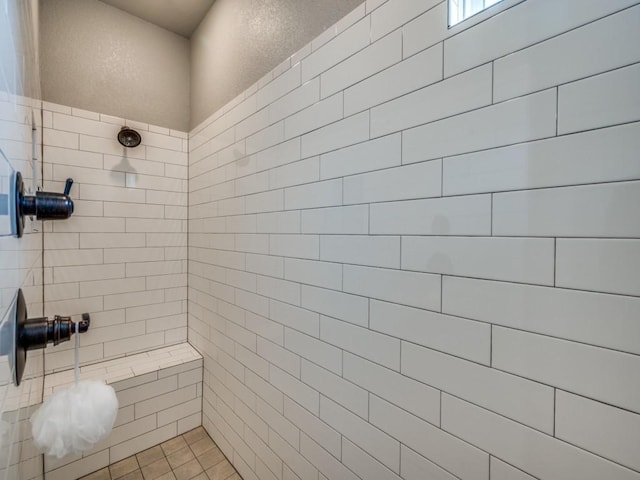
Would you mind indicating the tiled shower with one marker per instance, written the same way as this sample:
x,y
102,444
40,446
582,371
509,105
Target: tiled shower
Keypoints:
x,y
407,252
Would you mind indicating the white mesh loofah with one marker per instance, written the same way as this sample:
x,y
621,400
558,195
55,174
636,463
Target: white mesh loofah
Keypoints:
x,y
74,419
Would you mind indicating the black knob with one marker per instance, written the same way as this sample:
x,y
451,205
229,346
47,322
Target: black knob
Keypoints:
x,y
67,186
42,205
35,333
52,206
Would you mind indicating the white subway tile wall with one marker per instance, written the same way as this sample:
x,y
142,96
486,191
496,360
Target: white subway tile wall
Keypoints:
x,y
20,258
122,256
414,251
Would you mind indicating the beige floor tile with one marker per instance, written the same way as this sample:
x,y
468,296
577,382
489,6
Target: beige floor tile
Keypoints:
x,y
156,469
123,467
180,457
167,476
173,445
194,435
135,475
192,456
221,471
149,456
102,474
201,446
210,458
188,470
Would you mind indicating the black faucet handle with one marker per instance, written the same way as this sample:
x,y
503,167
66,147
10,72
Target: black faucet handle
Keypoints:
x,y
67,186
83,325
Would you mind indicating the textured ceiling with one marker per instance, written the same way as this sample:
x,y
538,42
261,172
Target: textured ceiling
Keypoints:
x,y
179,16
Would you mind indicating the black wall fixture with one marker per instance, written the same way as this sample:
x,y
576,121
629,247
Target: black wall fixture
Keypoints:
x,y
42,205
128,137
35,333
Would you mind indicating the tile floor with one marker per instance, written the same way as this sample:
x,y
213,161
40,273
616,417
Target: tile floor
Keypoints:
x,y
192,456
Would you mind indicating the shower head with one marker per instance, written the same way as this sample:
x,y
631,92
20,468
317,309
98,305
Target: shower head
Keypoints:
x,y
129,137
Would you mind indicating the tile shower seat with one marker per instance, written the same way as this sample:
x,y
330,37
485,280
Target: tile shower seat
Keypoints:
x,y
160,397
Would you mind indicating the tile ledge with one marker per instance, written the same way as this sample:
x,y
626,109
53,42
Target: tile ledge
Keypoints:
x,y
123,368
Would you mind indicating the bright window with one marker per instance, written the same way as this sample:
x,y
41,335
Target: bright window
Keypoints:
x,y
461,9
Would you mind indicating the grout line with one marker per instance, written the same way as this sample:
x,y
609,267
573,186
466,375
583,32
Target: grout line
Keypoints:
x,y
491,345
557,107
491,218
479,192
555,260
493,80
555,396
442,77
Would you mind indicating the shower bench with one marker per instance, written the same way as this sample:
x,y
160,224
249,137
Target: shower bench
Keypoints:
x,y
159,394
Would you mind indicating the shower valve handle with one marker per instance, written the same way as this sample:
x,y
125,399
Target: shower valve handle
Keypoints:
x,y
42,205
67,186
36,333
